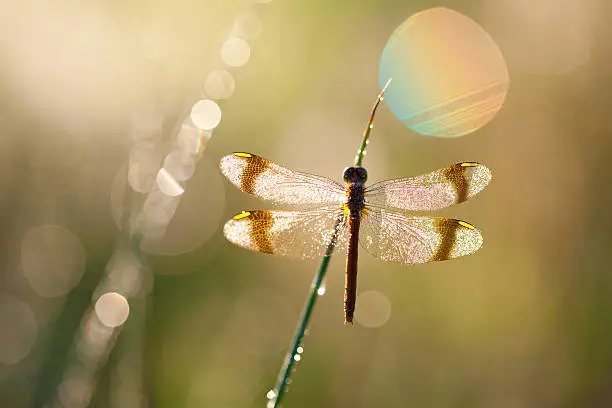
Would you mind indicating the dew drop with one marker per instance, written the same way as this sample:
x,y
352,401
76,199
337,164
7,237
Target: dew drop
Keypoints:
x,y
271,394
297,357
300,350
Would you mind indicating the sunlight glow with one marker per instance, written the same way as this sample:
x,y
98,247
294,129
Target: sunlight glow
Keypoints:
x,y
52,259
143,166
192,140
235,52
220,84
74,392
112,309
248,25
206,114
146,121
18,329
545,37
179,165
373,309
167,184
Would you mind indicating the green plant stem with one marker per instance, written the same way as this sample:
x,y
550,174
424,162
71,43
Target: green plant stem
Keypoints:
x,y
366,134
285,372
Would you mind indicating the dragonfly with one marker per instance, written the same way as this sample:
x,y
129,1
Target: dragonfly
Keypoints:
x,y
346,217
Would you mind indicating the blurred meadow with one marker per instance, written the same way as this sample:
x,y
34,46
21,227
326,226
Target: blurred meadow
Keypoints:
x,y
93,97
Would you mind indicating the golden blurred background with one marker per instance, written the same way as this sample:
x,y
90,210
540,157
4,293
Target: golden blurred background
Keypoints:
x,y
93,101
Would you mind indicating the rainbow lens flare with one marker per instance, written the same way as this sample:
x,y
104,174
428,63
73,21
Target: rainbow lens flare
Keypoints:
x,y
449,77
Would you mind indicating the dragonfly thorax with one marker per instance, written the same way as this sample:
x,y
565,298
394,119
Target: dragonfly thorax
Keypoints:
x,y
355,174
355,177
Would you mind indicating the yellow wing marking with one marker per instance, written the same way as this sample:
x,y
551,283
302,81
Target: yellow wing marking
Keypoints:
x,y
251,230
243,214
243,154
467,225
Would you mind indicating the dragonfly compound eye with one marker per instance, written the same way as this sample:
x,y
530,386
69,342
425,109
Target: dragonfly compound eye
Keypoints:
x,y
347,174
355,175
363,174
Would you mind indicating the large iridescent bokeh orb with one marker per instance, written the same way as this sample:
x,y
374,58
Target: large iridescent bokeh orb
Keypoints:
x,y
449,78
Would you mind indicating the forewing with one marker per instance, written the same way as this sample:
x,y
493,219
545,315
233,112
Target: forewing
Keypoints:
x,y
395,237
269,181
433,191
294,234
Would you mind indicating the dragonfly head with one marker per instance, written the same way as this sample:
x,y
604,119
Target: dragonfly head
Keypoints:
x,y
355,174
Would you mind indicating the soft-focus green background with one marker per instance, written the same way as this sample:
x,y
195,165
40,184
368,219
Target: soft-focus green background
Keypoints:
x,y
526,322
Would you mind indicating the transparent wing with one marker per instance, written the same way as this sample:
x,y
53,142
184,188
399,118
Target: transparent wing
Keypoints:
x,y
264,179
432,191
395,237
294,234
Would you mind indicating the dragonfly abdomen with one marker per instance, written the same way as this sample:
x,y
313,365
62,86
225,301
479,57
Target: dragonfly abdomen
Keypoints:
x,y
350,284
355,204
